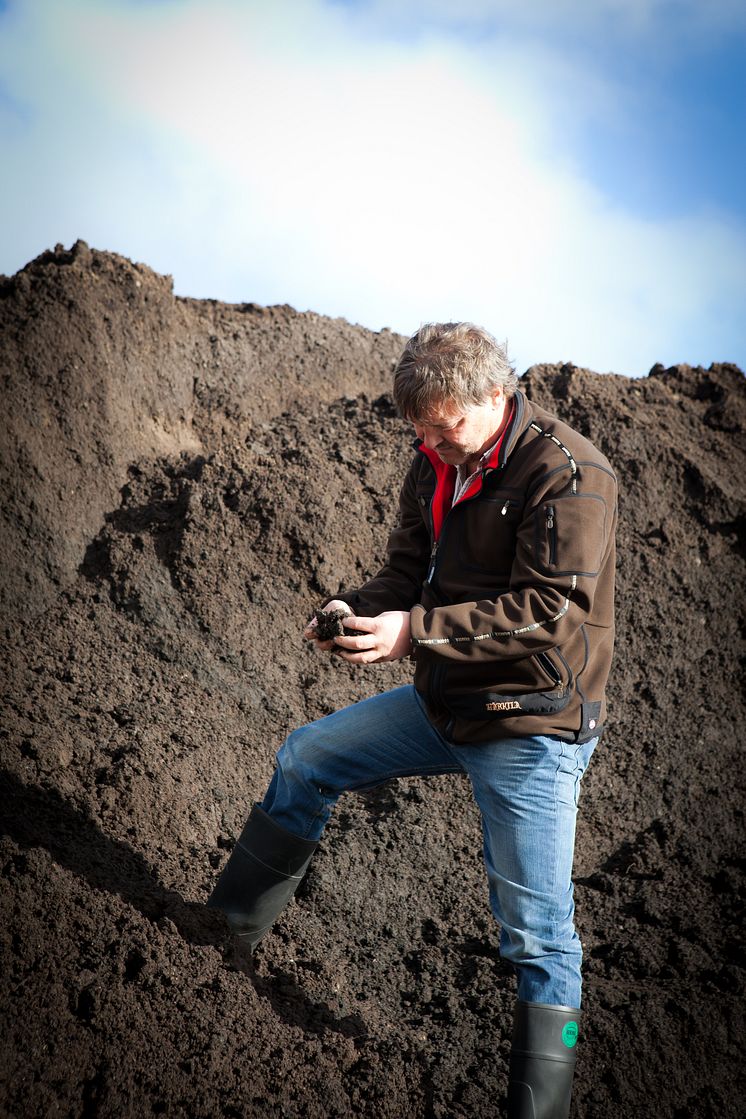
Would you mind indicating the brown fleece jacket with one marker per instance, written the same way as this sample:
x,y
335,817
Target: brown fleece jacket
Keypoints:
x,y
511,591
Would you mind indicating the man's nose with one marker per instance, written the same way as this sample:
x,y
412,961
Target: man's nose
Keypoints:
x,y
429,436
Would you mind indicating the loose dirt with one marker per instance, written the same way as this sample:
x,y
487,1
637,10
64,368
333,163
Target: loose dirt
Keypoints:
x,y
166,465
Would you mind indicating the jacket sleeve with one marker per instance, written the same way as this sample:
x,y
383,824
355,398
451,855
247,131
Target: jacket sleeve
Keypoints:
x,y
398,585
562,576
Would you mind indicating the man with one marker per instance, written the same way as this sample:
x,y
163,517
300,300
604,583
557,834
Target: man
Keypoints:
x,y
499,582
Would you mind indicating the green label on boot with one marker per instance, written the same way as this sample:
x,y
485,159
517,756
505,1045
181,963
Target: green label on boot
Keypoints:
x,y
570,1034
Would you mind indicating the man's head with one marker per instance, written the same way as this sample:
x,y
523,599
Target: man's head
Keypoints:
x,y
453,381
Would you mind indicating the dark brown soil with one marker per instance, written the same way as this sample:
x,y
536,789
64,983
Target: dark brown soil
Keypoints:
x,y
165,466
329,624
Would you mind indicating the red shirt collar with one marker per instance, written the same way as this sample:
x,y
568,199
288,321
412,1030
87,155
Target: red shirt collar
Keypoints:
x,y
445,477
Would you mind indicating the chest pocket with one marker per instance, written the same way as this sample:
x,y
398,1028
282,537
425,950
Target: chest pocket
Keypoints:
x,y
487,529
570,535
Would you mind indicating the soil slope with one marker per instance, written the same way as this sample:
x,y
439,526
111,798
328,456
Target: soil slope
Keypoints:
x,y
182,483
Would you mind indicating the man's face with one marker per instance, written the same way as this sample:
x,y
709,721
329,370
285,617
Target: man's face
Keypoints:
x,y
457,434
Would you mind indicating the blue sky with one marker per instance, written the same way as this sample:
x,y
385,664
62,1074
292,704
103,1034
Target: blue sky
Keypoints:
x,y
569,173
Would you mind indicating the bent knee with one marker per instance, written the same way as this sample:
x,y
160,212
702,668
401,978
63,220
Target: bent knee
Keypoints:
x,y
302,753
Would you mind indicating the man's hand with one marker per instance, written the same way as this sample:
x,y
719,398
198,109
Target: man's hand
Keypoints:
x,y
310,631
385,638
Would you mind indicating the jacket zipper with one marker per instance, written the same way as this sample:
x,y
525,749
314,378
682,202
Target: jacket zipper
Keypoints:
x,y
552,533
548,664
433,558
462,501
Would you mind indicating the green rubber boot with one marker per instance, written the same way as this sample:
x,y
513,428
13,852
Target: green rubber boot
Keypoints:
x,y
542,1061
263,872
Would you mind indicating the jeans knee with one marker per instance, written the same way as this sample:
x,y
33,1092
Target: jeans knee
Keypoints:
x,y
290,755
298,757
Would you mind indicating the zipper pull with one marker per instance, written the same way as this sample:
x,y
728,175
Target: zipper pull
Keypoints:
x,y
552,535
433,556
505,507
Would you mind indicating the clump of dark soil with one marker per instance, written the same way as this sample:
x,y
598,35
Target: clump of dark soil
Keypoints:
x,y
165,466
329,624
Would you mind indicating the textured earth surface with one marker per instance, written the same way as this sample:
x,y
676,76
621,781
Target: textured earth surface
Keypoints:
x,y
183,483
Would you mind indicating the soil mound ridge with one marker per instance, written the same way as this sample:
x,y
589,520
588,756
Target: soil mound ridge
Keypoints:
x,y
183,483
102,364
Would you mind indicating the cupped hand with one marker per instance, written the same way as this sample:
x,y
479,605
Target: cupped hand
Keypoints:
x,y
310,631
384,638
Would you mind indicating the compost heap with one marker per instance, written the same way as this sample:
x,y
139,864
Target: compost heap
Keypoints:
x,y
183,483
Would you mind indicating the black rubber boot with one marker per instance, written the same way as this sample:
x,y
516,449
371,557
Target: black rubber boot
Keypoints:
x,y
263,872
542,1061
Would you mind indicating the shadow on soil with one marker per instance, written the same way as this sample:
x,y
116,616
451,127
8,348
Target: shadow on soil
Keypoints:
x,y
37,817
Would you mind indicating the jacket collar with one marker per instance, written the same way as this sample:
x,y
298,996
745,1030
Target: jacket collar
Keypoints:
x,y
523,414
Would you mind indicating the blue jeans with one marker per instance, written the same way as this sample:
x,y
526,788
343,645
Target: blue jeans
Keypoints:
x,y
527,792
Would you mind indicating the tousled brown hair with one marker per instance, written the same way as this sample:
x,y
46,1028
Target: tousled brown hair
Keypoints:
x,y
452,362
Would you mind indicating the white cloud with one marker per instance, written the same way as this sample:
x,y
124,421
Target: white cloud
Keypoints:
x,y
269,153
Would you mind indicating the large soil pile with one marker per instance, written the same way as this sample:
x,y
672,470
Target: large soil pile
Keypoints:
x,y
182,483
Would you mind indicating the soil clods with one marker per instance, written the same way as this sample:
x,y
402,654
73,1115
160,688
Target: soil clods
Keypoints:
x,y
164,469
